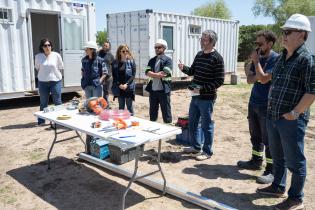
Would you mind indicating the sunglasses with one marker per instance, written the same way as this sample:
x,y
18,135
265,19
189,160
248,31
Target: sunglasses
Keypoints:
x,y
46,45
158,47
259,44
124,51
288,32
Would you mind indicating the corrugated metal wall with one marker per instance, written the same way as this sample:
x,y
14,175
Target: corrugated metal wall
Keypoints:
x,y
16,62
187,45
311,37
125,28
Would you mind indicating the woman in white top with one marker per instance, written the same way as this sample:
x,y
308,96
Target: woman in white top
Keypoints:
x,y
49,65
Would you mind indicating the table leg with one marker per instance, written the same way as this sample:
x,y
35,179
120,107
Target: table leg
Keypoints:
x,y
52,145
160,168
132,178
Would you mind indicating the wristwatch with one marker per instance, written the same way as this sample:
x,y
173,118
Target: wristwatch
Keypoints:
x,y
295,114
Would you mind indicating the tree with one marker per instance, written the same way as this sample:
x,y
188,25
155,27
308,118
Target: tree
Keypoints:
x,y
281,10
247,38
218,9
101,37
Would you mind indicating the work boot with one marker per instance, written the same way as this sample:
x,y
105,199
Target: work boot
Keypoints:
x,y
272,191
290,204
252,164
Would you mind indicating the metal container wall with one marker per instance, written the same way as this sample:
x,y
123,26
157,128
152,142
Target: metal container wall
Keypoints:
x,y
17,56
141,29
310,42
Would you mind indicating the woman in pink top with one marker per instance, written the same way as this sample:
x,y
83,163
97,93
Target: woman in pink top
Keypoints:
x,y
49,66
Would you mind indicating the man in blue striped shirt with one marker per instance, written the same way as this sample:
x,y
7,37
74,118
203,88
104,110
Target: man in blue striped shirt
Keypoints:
x,y
208,75
291,94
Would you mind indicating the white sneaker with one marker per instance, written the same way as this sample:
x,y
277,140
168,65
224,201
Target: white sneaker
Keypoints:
x,y
190,150
202,156
265,178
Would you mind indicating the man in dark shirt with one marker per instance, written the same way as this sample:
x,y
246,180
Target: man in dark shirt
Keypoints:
x,y
159,70
263,60
291,94
108,58
208,75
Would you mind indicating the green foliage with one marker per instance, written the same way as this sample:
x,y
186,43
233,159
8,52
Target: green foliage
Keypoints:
x,y
218,9
281,10
101,37
247,38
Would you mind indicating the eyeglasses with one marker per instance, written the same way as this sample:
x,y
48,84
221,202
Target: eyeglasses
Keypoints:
x,y
124,51
288,32
46,45
158,47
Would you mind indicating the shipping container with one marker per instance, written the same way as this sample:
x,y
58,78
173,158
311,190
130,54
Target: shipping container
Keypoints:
x,y
141,29
310,42
23,23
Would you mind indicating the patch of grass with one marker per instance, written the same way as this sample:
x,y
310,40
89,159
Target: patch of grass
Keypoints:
x,y
11,200
5,189
36,155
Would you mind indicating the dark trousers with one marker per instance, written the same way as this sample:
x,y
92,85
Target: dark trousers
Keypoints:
x,y
122,101
258,133
163,99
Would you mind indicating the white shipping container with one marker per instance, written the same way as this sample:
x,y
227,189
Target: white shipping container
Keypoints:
x,y
141,29
310,42
23,23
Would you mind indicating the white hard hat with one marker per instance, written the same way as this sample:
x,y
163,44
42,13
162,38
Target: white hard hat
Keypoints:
x,y
298,21
162,42
91,44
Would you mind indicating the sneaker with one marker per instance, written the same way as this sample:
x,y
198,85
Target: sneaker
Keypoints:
x,y
271,190
265,178
202,156
290,204
190,150
250,165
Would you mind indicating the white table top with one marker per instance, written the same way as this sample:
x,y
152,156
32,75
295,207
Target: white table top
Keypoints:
x,y
147,131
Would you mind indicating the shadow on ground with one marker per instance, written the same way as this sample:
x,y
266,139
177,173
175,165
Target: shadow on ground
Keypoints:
x,y
218,171
237,200
77,187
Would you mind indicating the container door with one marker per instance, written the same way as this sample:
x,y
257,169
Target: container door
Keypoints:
x,y
168,34
73,37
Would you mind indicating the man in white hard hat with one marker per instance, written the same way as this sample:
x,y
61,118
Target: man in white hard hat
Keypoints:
x,y
208,71
159,70
291,94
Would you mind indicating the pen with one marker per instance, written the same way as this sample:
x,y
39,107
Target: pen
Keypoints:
x,y
122,137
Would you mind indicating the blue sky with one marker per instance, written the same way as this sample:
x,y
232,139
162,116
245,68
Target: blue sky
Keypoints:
x,y
241,9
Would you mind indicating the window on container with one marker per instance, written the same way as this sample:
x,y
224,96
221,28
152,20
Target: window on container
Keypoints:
x,y
73,33
194,30
6,15
168,32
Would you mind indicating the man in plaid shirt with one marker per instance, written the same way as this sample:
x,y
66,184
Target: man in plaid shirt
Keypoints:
x,y
291,94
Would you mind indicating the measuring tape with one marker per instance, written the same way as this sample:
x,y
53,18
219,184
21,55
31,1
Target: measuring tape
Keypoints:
x,y
63,117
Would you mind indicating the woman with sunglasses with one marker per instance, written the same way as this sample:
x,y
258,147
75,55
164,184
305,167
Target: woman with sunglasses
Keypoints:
x,y
93,71
49,66
124,71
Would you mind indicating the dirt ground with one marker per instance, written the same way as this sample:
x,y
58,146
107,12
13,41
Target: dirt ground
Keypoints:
x,y
25,182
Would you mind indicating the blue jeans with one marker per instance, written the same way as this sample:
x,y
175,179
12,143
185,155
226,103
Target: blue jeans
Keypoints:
x,y
91,91
126,101
45,89
201,109
286,140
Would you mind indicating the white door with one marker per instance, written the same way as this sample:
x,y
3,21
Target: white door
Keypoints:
x,y
73,36
168,34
